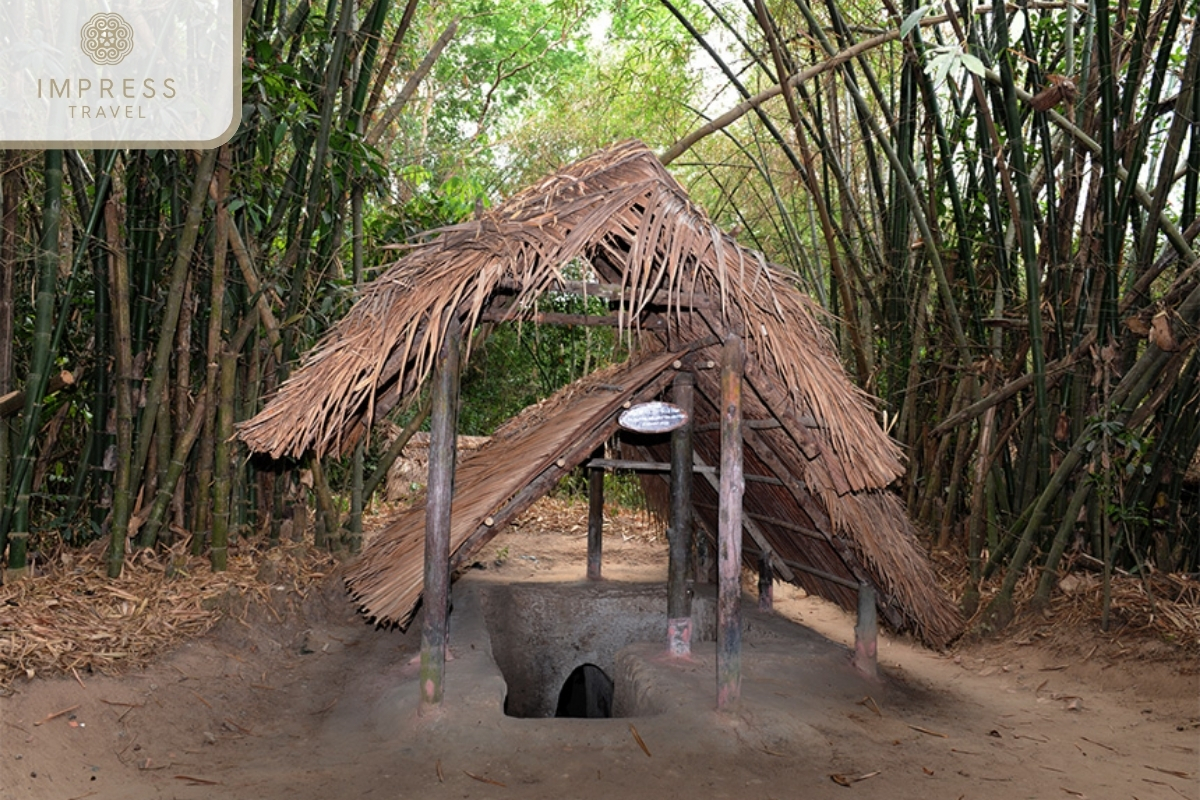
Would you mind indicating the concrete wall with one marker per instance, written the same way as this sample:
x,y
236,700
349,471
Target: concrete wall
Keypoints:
x,y
541,632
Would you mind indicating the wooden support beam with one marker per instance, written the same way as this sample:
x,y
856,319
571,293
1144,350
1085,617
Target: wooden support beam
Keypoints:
x,y
679,612
615,293
440,494
866,633
782,563
752,424
766,519
663,466
756,533
818,515
555,318
595,535
820,573
729,530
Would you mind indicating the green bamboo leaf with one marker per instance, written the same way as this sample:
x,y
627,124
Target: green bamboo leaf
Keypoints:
x,y
912,20
973,64
1016,26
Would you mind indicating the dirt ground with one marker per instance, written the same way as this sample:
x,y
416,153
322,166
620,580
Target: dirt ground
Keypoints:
x,y
300,699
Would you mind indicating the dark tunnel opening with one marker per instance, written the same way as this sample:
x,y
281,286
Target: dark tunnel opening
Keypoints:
x,y
587,693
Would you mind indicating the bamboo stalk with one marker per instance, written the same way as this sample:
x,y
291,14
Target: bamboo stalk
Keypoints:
x,y
10,187
40,358
808,174
162,353
123,353
206,505
414,81
389,60
166,488
325,528
1027,242
223,461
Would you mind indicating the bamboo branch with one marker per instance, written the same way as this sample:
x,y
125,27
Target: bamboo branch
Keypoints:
x,y
410,86
12,402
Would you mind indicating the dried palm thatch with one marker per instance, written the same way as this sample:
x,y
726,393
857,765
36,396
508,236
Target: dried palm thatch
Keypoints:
x,y
623,212
683,285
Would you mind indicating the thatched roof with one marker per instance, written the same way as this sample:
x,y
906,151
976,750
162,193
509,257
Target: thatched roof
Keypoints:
x,y
686,285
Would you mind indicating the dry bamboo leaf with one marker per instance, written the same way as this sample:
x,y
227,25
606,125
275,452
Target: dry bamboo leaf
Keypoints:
x,y
637,738
847,780
1099,744
928,732
482,779
233,724
870,703
197,781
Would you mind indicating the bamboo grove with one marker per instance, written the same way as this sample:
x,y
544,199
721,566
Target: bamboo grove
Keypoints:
x,y
1006,199
997,205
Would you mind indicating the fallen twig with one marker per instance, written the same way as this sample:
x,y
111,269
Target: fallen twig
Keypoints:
x,y
58,714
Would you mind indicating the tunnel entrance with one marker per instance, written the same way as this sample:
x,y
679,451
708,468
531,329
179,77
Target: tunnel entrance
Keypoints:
x,y
587,693
556,644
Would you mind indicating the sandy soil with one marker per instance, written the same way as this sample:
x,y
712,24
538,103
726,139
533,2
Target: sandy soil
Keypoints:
x,y
300,699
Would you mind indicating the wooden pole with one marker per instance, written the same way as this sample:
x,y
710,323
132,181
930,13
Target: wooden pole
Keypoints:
x,y
439,495
866,633
595,542
679,610
729,532
766,582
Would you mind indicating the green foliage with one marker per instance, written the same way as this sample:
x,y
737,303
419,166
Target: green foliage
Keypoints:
x,y
522,363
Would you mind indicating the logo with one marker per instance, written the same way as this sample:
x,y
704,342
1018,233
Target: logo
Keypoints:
x,y
106,39
157,74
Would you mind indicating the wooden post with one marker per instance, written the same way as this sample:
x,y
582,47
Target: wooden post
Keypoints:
x,y
866,633
729,533
679,607
766,582
439,495
595,539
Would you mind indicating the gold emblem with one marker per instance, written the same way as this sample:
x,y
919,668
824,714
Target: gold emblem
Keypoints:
x,y
106,38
